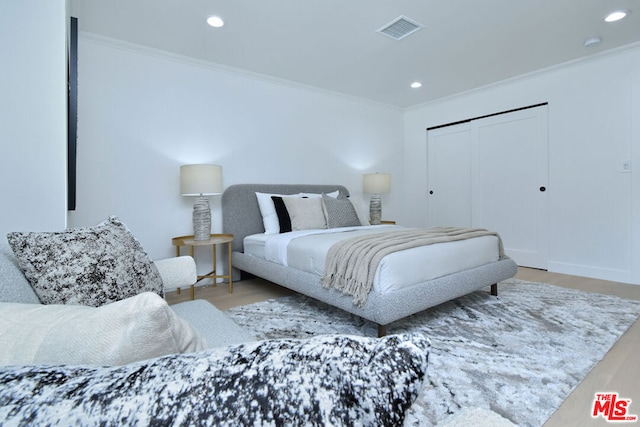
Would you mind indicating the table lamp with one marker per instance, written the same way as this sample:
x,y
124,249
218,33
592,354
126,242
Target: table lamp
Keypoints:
x,y
201,181
376,184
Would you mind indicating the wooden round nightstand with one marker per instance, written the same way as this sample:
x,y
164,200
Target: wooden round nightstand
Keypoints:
x,y
214,239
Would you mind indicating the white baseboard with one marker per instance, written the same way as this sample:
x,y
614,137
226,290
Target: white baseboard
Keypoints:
x,y
614,275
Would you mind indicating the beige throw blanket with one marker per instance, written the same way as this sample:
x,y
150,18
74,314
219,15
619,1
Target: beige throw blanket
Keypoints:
x,y
352,263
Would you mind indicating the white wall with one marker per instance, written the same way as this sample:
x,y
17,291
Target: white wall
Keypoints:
x,y
143,113
635,179
33,115
590,122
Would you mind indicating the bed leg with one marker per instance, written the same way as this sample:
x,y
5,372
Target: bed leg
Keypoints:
x,y
494,289
382,330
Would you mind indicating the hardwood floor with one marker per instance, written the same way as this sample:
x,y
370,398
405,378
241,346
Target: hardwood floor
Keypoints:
x,y
618,371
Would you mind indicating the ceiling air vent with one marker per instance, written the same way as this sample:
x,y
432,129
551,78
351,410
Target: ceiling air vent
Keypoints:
x,y
400,28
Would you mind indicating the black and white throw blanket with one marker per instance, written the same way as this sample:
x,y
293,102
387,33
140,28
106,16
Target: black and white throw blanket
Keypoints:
x,y
326,380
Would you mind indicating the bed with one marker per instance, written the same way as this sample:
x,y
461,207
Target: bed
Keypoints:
x,y
401,286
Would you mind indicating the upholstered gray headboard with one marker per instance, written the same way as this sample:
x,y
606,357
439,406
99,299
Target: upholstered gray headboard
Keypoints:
x,y
241,214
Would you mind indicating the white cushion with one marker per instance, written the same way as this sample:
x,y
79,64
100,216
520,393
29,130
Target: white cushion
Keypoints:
x,y
333,194
305,213
362,209
177,272
214,325
136,328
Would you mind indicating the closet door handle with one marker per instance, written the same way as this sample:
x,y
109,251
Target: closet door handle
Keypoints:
x,y
431,192
543,189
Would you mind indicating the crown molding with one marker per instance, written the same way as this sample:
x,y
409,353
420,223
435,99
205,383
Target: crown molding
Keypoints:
x,y
201,63
534,74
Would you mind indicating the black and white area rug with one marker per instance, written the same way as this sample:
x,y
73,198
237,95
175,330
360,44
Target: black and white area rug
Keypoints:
x,y
519,354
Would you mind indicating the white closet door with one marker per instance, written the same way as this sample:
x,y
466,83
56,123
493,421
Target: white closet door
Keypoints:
x,y
449,175
510,192
503,160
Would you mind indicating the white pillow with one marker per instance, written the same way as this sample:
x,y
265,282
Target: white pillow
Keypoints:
x,y
306,213
136,328
334,194
268,211
362,209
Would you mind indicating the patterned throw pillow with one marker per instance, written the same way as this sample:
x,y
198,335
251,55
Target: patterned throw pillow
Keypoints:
x,y
339,212
325,380
87,266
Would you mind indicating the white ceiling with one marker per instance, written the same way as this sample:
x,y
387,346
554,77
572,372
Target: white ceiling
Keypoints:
x,y
333,44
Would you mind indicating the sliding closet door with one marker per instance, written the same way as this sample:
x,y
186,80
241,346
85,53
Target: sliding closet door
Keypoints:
x,y
449,175
493,173
510,192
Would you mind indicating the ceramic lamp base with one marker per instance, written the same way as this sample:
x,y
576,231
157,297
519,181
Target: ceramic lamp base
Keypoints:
x,y
201,219
375,210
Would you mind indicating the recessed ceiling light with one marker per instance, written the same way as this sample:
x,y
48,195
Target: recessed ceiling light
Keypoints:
x,y
215,21
616,16
416,85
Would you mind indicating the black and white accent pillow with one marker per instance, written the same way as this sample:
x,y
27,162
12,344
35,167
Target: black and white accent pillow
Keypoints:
x,y
88,266
339,212
283,215
326,380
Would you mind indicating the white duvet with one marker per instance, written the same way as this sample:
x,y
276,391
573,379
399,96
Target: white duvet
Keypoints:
x,y
306,250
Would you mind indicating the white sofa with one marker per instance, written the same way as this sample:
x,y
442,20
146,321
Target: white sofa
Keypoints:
x,y
213,325
324,380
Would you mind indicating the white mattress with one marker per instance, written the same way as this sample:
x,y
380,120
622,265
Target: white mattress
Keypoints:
x,y
306,250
